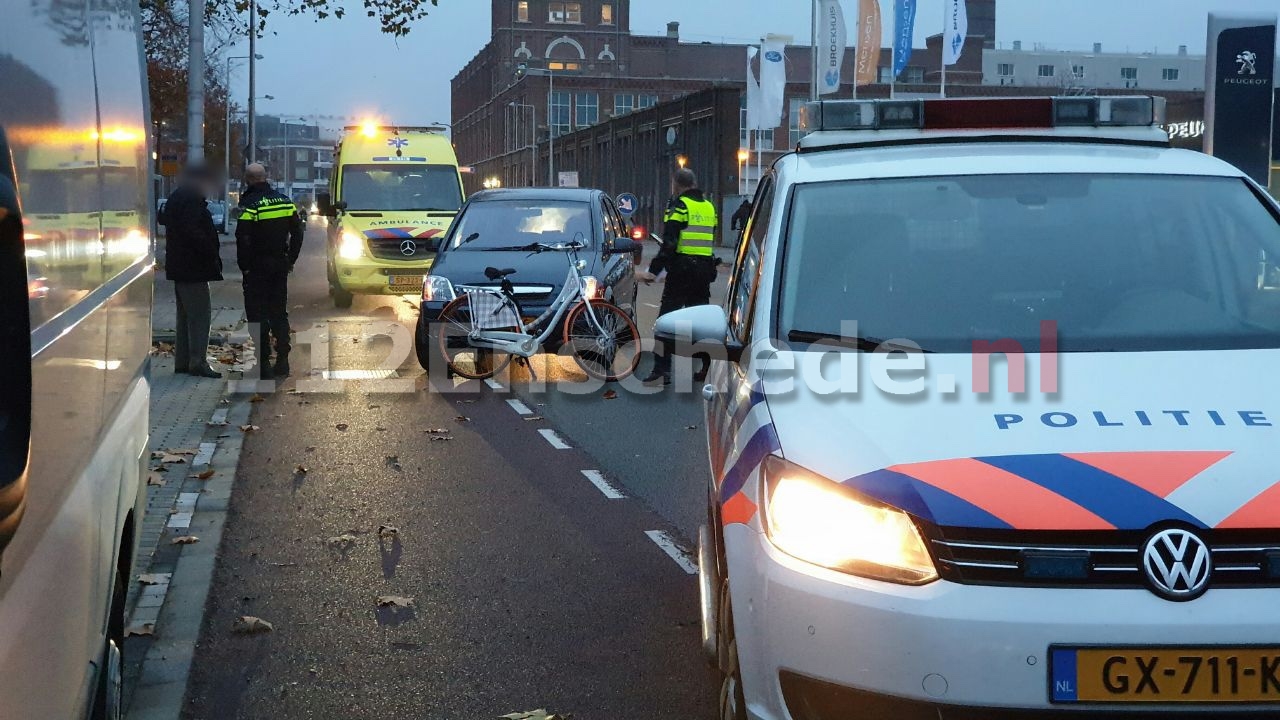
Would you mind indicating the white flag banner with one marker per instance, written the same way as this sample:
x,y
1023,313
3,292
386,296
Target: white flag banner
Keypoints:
x,y
753,91
773,81
832,41
955,32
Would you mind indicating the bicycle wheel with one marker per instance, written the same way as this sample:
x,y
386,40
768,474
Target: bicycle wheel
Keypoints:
x,y
607,348
453,332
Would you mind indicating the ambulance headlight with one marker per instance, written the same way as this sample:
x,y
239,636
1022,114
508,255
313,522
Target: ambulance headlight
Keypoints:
x,y
351,247
825,523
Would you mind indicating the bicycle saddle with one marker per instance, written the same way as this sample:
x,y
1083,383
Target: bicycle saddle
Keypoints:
x,y
495,274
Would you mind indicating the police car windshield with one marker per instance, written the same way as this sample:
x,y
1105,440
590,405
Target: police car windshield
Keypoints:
x,y
1116,262
506,224
401,187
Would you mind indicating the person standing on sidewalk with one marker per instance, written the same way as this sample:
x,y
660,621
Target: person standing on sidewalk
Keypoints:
x,y
192,261
688,239
268,242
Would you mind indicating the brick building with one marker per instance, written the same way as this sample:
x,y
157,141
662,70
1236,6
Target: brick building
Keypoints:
x,y
583,66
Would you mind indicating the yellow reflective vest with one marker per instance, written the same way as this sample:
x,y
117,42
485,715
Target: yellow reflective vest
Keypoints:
x,y
699,235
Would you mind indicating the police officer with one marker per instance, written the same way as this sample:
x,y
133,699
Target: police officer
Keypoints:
x,y
268,242
688,236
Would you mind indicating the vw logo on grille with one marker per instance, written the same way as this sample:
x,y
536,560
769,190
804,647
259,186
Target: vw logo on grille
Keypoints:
x,y
1177,564
408,248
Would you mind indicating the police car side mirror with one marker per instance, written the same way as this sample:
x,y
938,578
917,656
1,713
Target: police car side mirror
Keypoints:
x,y
697,331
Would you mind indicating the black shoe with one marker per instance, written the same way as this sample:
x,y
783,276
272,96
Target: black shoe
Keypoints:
x,y
281,370
657,378
181,371
205,371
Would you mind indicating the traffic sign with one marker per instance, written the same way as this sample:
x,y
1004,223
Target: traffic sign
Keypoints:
x,y
628,204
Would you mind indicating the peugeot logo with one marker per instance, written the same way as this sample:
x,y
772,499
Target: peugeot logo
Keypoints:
x,y
1177,564
408,248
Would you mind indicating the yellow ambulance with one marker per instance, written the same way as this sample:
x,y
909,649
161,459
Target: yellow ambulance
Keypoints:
x,y
393,190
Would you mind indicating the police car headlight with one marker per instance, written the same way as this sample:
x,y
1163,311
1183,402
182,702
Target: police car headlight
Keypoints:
x,y
351,247
437,289
825,523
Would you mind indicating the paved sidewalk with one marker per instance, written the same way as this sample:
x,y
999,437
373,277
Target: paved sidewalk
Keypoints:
x,y
198,416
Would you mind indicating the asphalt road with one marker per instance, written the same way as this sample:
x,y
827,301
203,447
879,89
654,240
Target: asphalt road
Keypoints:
x,y
531,587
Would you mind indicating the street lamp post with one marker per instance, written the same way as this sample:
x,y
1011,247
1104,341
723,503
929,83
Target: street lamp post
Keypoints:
x,y
252,124
226,178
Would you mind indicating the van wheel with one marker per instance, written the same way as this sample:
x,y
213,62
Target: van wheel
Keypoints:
x,y
733,704
108,703
342,299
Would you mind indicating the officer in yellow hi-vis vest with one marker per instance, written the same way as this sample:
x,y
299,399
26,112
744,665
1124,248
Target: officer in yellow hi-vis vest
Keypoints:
x,y
268,242
688,236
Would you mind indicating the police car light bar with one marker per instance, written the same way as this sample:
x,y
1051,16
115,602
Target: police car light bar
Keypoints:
x,y
984,113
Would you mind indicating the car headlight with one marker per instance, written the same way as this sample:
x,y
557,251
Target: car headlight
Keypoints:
x,y
437,289
351,247
827,524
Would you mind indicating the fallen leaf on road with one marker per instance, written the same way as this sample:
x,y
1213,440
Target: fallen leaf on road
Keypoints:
x,y
437,431
465,402
294,392
690,427
434,438
610,395
534,418
202,476
342,427
379,429
374,407
174,459
301,469
540,714
343,540
257,399
152,579
250,625
393,462
185,540
155,480
249,428
385,531
463,418
139,630
395,601
311,448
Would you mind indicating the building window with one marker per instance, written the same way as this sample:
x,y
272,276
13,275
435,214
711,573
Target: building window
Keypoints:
x,y
301,174
606,14
744,136
1004,69
644,102
300,155
558,117
1046,71
563,66
884,75
588,110
915,75
522,11
793,121
623,104
1169,74
1077,71
1128,73
561,12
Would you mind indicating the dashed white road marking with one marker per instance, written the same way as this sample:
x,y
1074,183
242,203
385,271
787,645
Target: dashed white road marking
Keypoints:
x,y
494,384
555,440
205,456
219,416
597,478
669,546
519,407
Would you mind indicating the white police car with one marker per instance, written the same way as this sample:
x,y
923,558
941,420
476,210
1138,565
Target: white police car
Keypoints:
x,y
997,432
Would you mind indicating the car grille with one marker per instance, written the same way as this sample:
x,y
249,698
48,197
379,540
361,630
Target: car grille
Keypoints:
x,y
389,249
529,292
1093,559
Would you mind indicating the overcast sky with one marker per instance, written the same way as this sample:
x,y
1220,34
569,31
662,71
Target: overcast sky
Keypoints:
x,y
348,68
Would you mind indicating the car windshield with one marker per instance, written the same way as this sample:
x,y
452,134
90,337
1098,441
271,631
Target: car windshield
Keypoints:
x,y
401,187
1118,262
516,223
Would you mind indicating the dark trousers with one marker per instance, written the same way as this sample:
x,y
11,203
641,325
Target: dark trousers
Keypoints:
x,y
266,302
687,286
191,336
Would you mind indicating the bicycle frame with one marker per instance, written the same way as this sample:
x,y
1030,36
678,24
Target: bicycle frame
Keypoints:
x,y
524,344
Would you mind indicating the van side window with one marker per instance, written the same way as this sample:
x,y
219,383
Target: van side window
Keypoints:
x,y
746,278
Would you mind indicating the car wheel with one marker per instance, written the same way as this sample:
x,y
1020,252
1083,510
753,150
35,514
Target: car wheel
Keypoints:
x,y
342,299
108,703
733,705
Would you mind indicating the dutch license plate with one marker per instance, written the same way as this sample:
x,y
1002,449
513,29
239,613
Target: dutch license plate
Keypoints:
x,y
407,283
1165,675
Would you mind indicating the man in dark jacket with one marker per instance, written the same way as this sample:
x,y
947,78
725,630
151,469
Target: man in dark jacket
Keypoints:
x,y
191,262
268,242
688,239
